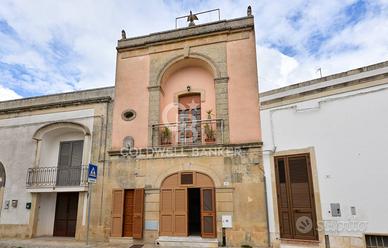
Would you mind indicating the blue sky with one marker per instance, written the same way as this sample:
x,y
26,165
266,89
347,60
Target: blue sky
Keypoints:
x,y
57,46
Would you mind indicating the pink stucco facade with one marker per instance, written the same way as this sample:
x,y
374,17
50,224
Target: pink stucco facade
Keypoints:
x,y
134,73
244,118
199,80
132,76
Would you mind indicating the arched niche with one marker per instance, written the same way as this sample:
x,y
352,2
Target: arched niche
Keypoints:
x,y
50,136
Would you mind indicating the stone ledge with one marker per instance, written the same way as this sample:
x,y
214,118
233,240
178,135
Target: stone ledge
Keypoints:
x,y
187,149
58,104
187,32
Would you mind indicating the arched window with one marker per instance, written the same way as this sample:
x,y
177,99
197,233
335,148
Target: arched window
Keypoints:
x,y
2,175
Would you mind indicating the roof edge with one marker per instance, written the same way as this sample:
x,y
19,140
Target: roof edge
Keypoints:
x,y
326,78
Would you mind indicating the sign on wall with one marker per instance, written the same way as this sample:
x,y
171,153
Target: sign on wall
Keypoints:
x,y
92,173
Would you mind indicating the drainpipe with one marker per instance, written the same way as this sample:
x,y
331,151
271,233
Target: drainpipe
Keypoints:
x,y
266,211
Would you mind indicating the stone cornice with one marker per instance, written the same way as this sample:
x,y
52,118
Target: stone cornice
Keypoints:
x,y
56,105
189,149
244,23
360,76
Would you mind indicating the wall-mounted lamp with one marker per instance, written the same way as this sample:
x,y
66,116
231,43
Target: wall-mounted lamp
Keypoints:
x,y
188,88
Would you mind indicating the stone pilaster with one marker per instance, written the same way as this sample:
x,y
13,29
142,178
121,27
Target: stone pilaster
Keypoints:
x,y
154,113
222,108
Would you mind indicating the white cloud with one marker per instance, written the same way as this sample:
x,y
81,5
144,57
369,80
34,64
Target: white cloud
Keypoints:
x,y
88,31
7,94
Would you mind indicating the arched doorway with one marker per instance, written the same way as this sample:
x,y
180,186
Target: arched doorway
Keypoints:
x,y
187,205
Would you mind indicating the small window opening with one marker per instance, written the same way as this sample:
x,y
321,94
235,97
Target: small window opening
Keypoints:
x,y
187,178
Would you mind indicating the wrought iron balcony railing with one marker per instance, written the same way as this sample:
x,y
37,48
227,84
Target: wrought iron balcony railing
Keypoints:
x,y
188,133
57,177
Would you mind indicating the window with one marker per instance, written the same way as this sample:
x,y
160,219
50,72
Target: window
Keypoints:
x,y
376,241
187,178
189,115
128,115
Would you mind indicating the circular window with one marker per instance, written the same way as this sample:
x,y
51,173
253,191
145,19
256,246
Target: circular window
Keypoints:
x,y
128,115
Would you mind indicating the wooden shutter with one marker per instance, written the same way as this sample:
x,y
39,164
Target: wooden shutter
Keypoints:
x,y
301,197
138,213
295,197
76,153
208,216
282,196
180,212
166,212
64,160
76,162
64,154
117,213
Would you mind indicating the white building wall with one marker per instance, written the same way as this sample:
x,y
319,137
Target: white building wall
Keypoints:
x,y
349,133
49,152
17,153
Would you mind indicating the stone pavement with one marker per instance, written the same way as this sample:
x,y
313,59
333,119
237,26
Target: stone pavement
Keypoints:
x,y
58,242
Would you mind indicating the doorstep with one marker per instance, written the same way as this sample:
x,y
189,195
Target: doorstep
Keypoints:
x,y
191,241
294,243
121,240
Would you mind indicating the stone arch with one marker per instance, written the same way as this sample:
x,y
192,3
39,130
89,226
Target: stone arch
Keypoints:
x,y
2,176
202,60
218,71
206,180
38,135
207,171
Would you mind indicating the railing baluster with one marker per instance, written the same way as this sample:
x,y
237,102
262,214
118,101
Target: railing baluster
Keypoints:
x,y
54,176
210,131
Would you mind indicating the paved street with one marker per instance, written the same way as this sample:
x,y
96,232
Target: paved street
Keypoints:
x,y
57,242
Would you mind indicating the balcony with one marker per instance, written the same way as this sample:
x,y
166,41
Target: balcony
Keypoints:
x,y
188,133
52,177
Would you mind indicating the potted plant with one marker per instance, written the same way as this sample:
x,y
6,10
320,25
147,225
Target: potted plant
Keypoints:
x,y
209,131
165,136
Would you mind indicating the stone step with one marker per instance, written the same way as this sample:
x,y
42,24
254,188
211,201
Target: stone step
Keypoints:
x,y
121,240
194,241
301,244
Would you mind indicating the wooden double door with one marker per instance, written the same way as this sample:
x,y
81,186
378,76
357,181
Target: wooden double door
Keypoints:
x,y
66,214
295,197
128,213
181,216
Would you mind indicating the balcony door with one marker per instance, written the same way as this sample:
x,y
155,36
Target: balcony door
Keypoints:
x,y
69,163
189,116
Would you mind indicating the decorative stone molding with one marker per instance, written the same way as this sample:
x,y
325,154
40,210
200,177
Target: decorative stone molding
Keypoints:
x,y
179,168
192,91
207,29
38,135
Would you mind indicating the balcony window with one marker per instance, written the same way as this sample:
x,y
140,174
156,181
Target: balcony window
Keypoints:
x,y
60,161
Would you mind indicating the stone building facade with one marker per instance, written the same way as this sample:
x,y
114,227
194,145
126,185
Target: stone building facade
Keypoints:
x,y
177,142
46,145
185,113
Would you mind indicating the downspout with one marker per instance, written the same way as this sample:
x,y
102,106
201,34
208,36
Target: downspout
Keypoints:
x,y
266,211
